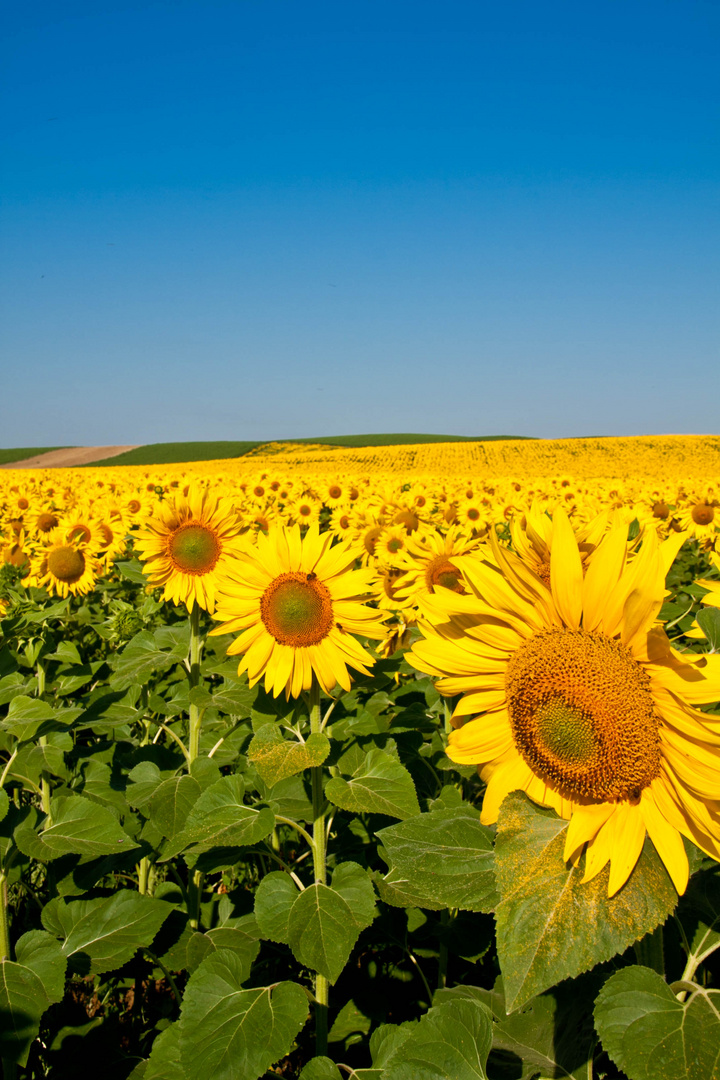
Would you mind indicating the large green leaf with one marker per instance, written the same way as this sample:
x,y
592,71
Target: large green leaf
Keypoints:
x,y
77,826
274,898
452,1040
147,653
553,1034
276,758
101,935
171,803
651,1035
438,860
551,927
321,1068
22,1002
42,953
381,785
324,923
233,1034
164,1062
220,818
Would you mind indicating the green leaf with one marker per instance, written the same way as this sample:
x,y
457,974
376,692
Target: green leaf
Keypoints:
x,y
438,860
79,827
276,758
354,885
164,1062
234,1034
349,1026
147,653
219,818
4,803
551,927
553,1034
22,1002
274,898
380,786
321,1068
41,952
171,803
451,1040
651,1035
101,935
26,715
708,619
325,923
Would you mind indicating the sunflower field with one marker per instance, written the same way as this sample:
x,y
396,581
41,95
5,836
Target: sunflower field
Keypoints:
x,y
385,763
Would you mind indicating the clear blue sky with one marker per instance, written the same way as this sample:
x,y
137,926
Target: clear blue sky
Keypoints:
x,y
240,219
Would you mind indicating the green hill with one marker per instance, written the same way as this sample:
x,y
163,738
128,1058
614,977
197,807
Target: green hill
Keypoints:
x,y
172,453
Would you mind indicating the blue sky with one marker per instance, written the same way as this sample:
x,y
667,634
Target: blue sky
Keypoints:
x,y
267,219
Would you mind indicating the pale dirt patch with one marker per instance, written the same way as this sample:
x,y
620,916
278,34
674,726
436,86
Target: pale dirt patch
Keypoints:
x,y
65,459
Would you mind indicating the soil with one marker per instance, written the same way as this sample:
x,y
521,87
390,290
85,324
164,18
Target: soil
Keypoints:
x,y
64,459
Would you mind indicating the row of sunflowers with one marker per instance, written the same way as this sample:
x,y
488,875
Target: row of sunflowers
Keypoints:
x,y
537,607
509,584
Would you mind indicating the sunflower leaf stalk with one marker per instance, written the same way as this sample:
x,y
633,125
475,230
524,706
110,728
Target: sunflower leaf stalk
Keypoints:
x,y
194,679
319,853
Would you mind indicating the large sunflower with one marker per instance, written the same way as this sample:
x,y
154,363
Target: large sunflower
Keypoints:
x,y
298,602
187,544
576,697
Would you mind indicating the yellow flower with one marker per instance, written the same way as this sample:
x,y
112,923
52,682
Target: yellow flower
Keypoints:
x,y
297,603
576,697
186,546
64,567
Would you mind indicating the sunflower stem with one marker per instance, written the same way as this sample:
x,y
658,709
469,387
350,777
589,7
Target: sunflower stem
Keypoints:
x,y
5,953
44,782
319,851
194,679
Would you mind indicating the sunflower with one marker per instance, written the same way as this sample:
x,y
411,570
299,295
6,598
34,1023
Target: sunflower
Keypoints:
x,y
64,567
427,564
187,544
297,603
576,697
700,516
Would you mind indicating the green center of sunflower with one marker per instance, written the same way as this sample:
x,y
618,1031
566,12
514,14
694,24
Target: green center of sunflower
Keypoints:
x,y
194,549
583,715
394,545
566,731
66,564
296,609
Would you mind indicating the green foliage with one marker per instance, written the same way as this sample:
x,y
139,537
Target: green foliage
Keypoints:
x,y
441,859
176,915
651,1034
550,926
231,1033
380,785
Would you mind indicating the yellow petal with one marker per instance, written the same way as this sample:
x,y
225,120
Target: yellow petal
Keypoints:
x,y
566,575
667,840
